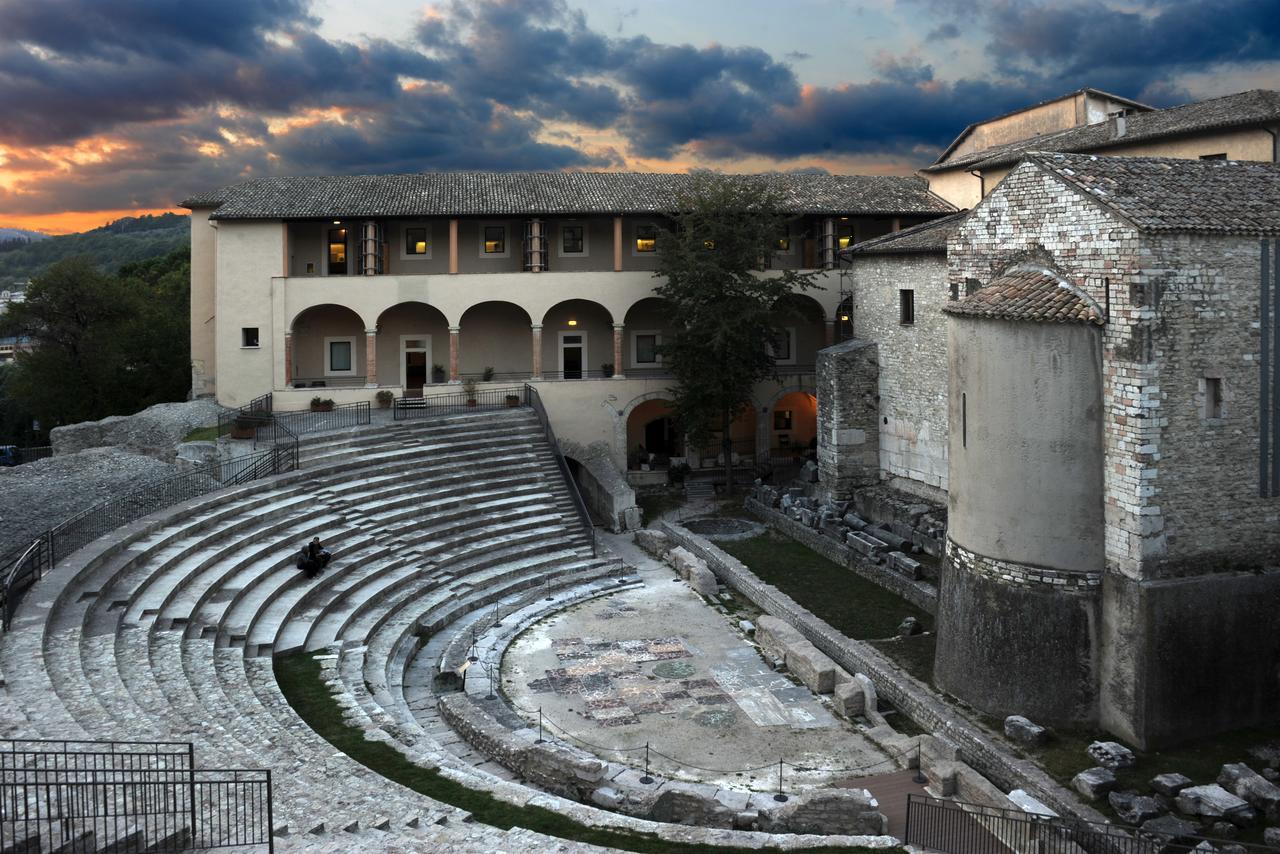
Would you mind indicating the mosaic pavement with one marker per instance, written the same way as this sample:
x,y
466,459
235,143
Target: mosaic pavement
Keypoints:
x,y
611,678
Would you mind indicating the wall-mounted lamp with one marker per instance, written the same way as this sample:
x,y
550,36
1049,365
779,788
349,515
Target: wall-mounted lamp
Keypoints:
x,y
573,322
844,317
337,222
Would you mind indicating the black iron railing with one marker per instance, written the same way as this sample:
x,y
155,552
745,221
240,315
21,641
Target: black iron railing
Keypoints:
x,y
126,796
340,416
20,569
428,405
534,400
953,827
259,407
12,456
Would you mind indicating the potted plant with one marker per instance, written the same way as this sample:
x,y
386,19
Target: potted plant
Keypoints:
x,y
244,427
487,376
469,389
384,399
319,404
513,400
606,370
437,373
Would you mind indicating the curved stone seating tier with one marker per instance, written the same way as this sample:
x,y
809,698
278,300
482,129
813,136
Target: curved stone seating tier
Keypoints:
x,y
153,632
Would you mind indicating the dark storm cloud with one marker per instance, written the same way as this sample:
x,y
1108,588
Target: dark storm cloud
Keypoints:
x,y
481,84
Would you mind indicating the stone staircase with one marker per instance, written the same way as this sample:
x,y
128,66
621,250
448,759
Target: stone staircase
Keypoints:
x,y
165,630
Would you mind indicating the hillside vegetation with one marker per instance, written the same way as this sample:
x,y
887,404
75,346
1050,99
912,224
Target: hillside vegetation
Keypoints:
x,y
126,241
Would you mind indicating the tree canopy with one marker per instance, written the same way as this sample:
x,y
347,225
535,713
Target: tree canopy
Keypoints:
x,y
725,305
100,344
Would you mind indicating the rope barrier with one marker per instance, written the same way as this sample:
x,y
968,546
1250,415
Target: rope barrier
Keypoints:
x,y
648,749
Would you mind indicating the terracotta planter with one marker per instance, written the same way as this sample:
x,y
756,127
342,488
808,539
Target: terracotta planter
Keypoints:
x,y
471,402
513,401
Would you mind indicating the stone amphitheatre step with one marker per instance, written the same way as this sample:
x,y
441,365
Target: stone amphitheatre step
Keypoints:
x,y
426,520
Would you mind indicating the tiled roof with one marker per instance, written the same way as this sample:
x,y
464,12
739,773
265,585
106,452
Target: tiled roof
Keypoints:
x,y
1028,293
1138,105
528,193
1259,106
928,236
1163,194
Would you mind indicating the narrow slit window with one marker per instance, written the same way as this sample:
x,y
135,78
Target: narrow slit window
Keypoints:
x,y
964,420
1213,397
906,307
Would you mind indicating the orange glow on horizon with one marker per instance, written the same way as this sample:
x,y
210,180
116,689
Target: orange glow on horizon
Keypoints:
x,y
69,222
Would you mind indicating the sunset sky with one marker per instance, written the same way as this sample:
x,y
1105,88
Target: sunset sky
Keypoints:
x,y
114,107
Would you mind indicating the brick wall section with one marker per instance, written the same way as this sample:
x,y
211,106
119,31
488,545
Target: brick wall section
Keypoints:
x,y
922,594
912,361
1018,574
1180,494
991,757
848,418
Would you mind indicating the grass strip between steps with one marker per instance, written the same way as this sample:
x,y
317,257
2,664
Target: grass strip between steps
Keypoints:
x,y
299,677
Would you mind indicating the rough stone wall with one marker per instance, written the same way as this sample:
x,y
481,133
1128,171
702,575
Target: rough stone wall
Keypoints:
x,y
913,364
155,431
848,418
1033,218
1197,301
603,487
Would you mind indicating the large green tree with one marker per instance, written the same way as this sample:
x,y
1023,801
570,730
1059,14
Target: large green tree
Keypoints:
x,y
100,344
725,305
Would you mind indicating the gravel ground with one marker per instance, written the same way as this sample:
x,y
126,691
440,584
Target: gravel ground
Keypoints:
x,y
36,496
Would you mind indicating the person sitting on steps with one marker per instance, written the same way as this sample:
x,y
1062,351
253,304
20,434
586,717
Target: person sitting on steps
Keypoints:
x,y
313,558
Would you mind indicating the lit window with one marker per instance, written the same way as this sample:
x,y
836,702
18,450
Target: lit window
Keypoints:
x,y
709,245
249,336
415,241
782,419
337,252
646,238
571,239
495,239
783,243
906,307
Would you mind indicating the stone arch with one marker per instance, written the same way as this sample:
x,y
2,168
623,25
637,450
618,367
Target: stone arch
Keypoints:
x,y
806,319
648,321
582,319
401,328
620,424
764,420
495,334
327,347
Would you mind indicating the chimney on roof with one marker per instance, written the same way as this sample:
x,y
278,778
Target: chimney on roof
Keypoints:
x,y
1116,123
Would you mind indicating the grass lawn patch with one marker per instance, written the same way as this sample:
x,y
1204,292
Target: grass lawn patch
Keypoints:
x,y
299,677
852,605
912,654
203,434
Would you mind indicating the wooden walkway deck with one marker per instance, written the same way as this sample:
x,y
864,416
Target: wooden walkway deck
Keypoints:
x,y
891,791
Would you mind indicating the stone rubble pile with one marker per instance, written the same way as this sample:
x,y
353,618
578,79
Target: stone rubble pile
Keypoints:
x,y
155,431
1176,810
904,530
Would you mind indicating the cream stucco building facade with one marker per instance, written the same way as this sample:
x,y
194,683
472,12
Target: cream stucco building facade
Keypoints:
x,y
342,287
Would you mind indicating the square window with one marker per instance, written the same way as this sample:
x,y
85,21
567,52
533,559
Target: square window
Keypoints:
x,y
783,347
783,243
340,356
782,419
571,239
249,336
646,238
646,348
495,240
415,241
906,307
1222,156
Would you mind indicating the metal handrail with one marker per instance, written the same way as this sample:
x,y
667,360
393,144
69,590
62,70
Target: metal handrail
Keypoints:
x,y
956,827
43,553
534,400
